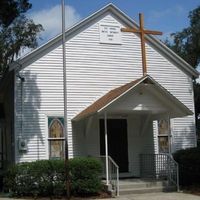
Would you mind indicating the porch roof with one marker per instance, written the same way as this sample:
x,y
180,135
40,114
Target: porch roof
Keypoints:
x,y
112,96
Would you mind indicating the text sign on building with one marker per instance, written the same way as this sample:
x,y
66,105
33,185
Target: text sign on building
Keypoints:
x,y
110,34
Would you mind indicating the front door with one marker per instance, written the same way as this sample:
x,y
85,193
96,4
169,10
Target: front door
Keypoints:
x,y
117,141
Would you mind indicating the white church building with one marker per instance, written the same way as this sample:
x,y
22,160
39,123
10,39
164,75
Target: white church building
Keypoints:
x,y
113,108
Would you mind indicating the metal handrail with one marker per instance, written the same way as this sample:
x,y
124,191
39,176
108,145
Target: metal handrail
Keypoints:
x,y
160,166
113,179
170,176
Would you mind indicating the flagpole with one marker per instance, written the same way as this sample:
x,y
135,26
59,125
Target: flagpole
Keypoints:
x,y
65,102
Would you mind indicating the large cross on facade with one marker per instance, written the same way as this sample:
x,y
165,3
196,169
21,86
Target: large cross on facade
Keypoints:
x,y
142,33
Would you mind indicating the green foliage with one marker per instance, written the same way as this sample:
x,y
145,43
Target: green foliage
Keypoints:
x,y
197,107
16,30
186,43
198,143
11,9
189,166
85,175
40,178
47,177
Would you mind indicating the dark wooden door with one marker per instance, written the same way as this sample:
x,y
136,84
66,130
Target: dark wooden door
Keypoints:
x,y
117,141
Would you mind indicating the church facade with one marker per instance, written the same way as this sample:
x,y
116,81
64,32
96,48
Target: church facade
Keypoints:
x,y
107,94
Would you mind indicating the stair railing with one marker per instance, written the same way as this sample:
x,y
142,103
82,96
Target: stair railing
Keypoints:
x,y
113,173
173,171
160,166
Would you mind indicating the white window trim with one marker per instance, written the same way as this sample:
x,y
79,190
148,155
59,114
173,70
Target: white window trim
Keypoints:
x,y
47,115
165,135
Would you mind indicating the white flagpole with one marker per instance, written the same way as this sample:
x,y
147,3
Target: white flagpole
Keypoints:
x,y
65,100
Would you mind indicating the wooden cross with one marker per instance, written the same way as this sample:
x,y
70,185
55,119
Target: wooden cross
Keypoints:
x,y
142,33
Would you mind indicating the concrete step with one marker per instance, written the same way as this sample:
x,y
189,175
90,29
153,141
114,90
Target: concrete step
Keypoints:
x,y
139,186
142,184
146,190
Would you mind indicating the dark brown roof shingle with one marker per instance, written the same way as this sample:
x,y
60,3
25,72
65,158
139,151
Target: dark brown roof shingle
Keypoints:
x,y
106,99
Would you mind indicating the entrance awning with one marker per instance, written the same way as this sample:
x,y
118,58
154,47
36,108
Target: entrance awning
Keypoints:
x,y
139,96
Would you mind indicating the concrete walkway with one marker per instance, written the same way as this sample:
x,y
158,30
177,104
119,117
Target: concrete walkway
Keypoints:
x,y
160,196
148,196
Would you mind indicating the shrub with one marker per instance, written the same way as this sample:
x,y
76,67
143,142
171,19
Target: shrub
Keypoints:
x,y
85,175
18,179
189,166
47,177
39,178
198,143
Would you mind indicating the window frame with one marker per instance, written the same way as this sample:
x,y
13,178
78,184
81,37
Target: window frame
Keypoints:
x,y
165,135
54,117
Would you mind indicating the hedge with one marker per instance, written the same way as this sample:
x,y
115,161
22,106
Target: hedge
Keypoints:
x,y
47,177
85,175
189,166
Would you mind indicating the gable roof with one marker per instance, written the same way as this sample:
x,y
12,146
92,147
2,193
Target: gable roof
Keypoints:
x,y
160,46
118,92
105,100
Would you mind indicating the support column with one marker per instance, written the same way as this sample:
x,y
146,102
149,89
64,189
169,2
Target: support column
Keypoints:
x,y
106,146
169,135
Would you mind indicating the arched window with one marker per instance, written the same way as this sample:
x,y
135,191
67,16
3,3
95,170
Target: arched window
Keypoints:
x,y
56,138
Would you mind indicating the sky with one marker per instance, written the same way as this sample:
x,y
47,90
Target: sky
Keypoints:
x,y
168,16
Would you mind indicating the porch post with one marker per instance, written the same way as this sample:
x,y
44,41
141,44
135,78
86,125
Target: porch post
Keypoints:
x,y
106,146
169,134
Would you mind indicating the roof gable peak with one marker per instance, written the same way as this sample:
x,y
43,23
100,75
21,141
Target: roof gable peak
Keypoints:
x,y
40,51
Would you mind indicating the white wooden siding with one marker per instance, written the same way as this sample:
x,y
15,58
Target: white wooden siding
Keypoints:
x,y
180,85
92,70
138,99
138,143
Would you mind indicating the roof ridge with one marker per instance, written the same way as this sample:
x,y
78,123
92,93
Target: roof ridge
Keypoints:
x,y
179,62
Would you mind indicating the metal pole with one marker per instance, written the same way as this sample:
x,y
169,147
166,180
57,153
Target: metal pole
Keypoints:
x,y
117,181
106,145
65,102
177,177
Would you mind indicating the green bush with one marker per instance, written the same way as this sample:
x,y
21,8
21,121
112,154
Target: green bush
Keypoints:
x,y
39,178
198,143
85,175
189,166
47,177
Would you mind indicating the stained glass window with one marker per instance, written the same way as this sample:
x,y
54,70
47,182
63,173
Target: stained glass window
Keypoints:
x,y
56,138
163,144
163,135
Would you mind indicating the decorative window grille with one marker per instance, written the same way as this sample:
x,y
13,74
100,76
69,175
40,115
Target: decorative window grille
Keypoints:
x,y
56,137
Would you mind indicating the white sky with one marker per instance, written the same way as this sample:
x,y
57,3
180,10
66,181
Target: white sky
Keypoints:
x,y
51,20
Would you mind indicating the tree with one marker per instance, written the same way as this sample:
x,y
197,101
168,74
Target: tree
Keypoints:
x,y
16,30
186,43
197,106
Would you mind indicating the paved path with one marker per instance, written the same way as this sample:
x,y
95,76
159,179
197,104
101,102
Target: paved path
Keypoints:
x,y
160,196
163,196
149,196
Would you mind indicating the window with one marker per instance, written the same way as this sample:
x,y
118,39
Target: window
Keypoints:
x,y
56,137
163,135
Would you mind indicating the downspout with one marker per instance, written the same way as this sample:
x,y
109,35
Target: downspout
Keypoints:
x,y
22,79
